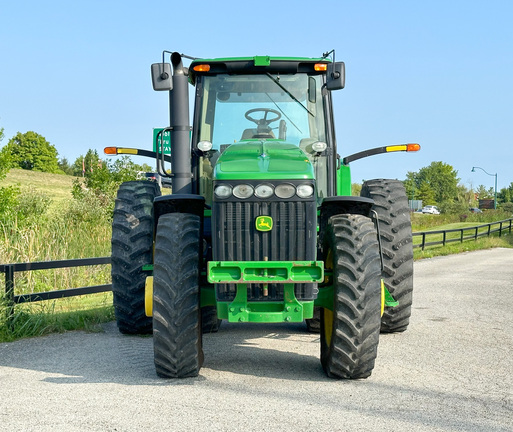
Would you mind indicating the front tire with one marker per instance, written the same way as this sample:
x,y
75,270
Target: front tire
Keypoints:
x,y
391,205
132,248
209,321
350,333
177,339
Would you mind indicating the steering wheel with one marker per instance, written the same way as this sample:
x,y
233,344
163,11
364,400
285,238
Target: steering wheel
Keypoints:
x,y
263,122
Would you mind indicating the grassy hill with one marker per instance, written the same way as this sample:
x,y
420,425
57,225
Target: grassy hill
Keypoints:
x,y
55,186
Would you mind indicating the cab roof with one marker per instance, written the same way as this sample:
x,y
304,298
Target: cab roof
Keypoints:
x,y
256,64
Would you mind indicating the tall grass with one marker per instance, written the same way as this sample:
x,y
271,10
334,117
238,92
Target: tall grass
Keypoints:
x,y
40,232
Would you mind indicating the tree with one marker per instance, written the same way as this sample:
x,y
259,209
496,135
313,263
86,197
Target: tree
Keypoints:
x,y
443,180
356,188
32,151
426,193
483,193
65,167
434,184
5,160
411,186
505,195
86,165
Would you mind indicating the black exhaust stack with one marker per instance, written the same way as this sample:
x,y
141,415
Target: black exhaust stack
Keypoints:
x,y
179,122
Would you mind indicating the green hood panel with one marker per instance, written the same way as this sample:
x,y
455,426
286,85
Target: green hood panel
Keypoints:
x,y
263,159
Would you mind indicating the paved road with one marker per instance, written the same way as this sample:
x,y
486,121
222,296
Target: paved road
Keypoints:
x,y
451,371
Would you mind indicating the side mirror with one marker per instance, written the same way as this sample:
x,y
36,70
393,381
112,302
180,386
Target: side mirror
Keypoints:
x,y
161,76
336,76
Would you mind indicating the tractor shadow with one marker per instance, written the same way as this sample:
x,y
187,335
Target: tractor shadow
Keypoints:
x,y
281,351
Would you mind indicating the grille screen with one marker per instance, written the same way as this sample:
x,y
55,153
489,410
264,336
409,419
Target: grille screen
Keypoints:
x,y
292,238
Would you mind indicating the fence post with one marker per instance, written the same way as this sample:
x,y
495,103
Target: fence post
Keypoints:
x,y
9,293
461,235
423,240
500,230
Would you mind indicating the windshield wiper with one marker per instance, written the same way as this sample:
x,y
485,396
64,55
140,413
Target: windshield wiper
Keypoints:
x,y
289,93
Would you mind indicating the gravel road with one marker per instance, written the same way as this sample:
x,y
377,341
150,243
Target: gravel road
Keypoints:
x,y
450,371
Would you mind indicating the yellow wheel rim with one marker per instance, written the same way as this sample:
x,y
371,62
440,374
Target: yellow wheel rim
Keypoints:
x,y
148,296
382,297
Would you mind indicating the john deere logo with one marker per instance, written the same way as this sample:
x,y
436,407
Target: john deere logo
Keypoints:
x,y
264,223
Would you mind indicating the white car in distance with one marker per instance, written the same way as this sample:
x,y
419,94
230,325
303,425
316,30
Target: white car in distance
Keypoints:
x,y
430,209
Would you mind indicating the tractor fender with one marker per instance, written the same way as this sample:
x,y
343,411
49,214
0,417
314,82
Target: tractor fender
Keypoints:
x,y
179,203
342,205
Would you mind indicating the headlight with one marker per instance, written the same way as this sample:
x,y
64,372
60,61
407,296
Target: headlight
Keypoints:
x,y
205,145
319,146
285,191
243,191
223,191
305,191
264,191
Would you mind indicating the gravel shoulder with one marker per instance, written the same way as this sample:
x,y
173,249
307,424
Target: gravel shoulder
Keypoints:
x,y
450,371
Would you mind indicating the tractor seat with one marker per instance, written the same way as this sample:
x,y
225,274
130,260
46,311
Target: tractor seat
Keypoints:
x,y
255,134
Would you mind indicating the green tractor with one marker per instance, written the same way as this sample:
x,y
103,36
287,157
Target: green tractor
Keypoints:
x,y
260,225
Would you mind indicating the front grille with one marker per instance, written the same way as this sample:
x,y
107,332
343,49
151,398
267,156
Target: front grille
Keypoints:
x,y
293,238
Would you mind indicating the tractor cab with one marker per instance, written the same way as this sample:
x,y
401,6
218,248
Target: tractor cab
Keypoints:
x,y
278,108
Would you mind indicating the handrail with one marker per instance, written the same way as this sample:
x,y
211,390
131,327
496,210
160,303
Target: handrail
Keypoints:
x,y
476,234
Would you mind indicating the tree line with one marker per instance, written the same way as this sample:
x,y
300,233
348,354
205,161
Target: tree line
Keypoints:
x,y
438,184
31,151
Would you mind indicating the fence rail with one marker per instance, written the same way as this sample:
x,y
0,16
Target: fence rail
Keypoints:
x,y
10,269
500,227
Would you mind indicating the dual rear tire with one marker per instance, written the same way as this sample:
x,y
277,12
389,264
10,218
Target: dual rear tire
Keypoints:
x,y
132,249
391,206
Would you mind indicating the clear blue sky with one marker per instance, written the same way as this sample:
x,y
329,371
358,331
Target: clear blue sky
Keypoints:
x,y
439,73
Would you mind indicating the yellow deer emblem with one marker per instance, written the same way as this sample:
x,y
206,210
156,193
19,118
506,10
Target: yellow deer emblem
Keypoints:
x,y
264,223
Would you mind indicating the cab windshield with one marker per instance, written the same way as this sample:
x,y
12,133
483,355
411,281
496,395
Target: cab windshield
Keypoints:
x,y
235,108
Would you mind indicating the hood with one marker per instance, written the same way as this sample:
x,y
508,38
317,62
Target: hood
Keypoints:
x,y
264,159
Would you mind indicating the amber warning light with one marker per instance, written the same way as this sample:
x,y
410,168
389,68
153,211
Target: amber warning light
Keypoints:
x,y
110,150
122,150
202,68
319,67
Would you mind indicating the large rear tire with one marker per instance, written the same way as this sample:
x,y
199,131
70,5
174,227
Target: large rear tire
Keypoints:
x,y
132,248
177,339
350,333
391,205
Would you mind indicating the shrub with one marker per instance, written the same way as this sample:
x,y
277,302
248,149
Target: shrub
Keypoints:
x,y
507,207
8,203
32,205
89,206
